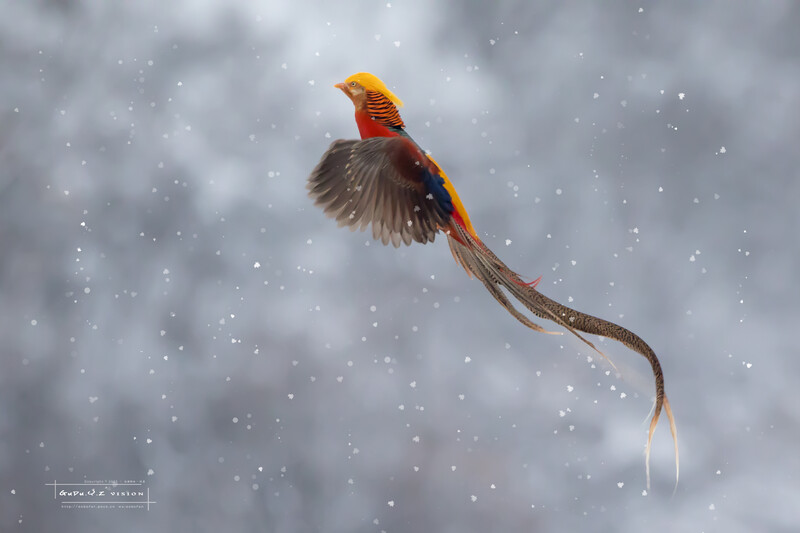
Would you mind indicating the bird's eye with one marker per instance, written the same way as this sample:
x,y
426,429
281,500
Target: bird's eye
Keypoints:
x,y
352,84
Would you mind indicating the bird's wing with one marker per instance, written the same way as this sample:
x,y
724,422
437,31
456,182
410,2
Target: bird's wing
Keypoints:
x,y
385,181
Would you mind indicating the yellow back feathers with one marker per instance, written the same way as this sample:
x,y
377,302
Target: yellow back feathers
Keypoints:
x,y
373,83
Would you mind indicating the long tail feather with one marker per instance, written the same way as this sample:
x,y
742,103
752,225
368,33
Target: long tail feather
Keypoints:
x,y
484,265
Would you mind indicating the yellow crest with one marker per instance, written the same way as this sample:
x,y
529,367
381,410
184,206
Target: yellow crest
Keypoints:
x,y
372,83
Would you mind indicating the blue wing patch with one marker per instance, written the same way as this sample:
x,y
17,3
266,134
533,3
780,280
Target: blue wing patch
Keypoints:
x,y
434,183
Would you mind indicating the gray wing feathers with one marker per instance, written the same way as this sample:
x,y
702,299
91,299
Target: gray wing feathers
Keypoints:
x,y
358,183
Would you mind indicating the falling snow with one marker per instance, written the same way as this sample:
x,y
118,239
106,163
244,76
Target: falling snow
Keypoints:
x,y
189,318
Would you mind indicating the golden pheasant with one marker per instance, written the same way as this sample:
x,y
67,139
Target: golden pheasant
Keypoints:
x,y
387,181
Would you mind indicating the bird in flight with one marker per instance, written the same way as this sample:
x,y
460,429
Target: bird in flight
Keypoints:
x,y
385,180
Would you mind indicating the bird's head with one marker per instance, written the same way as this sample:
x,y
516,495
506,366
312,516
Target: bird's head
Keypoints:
x,y
358,85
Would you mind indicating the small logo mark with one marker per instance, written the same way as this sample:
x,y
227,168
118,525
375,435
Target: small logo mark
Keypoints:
x,y
102,494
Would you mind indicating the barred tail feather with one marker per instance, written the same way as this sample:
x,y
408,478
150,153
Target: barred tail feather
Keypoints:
x,y
484,265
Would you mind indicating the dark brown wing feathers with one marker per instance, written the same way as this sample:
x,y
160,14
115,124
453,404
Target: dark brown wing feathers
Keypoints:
x,y
378,181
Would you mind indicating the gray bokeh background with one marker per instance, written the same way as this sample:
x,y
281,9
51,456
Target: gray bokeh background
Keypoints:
x,y
174,309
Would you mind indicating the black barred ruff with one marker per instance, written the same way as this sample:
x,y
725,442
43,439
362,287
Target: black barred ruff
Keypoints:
x,y
383,110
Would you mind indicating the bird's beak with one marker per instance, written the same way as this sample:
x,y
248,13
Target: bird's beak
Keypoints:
x,y
345,89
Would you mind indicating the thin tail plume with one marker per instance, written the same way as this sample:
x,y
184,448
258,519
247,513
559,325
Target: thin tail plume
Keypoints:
x,y
480,262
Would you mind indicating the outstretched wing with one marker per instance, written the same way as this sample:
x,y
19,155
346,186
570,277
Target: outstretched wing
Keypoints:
x,y
384,181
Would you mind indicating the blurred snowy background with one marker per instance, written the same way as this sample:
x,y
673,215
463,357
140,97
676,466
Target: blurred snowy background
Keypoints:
x,y
174,309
